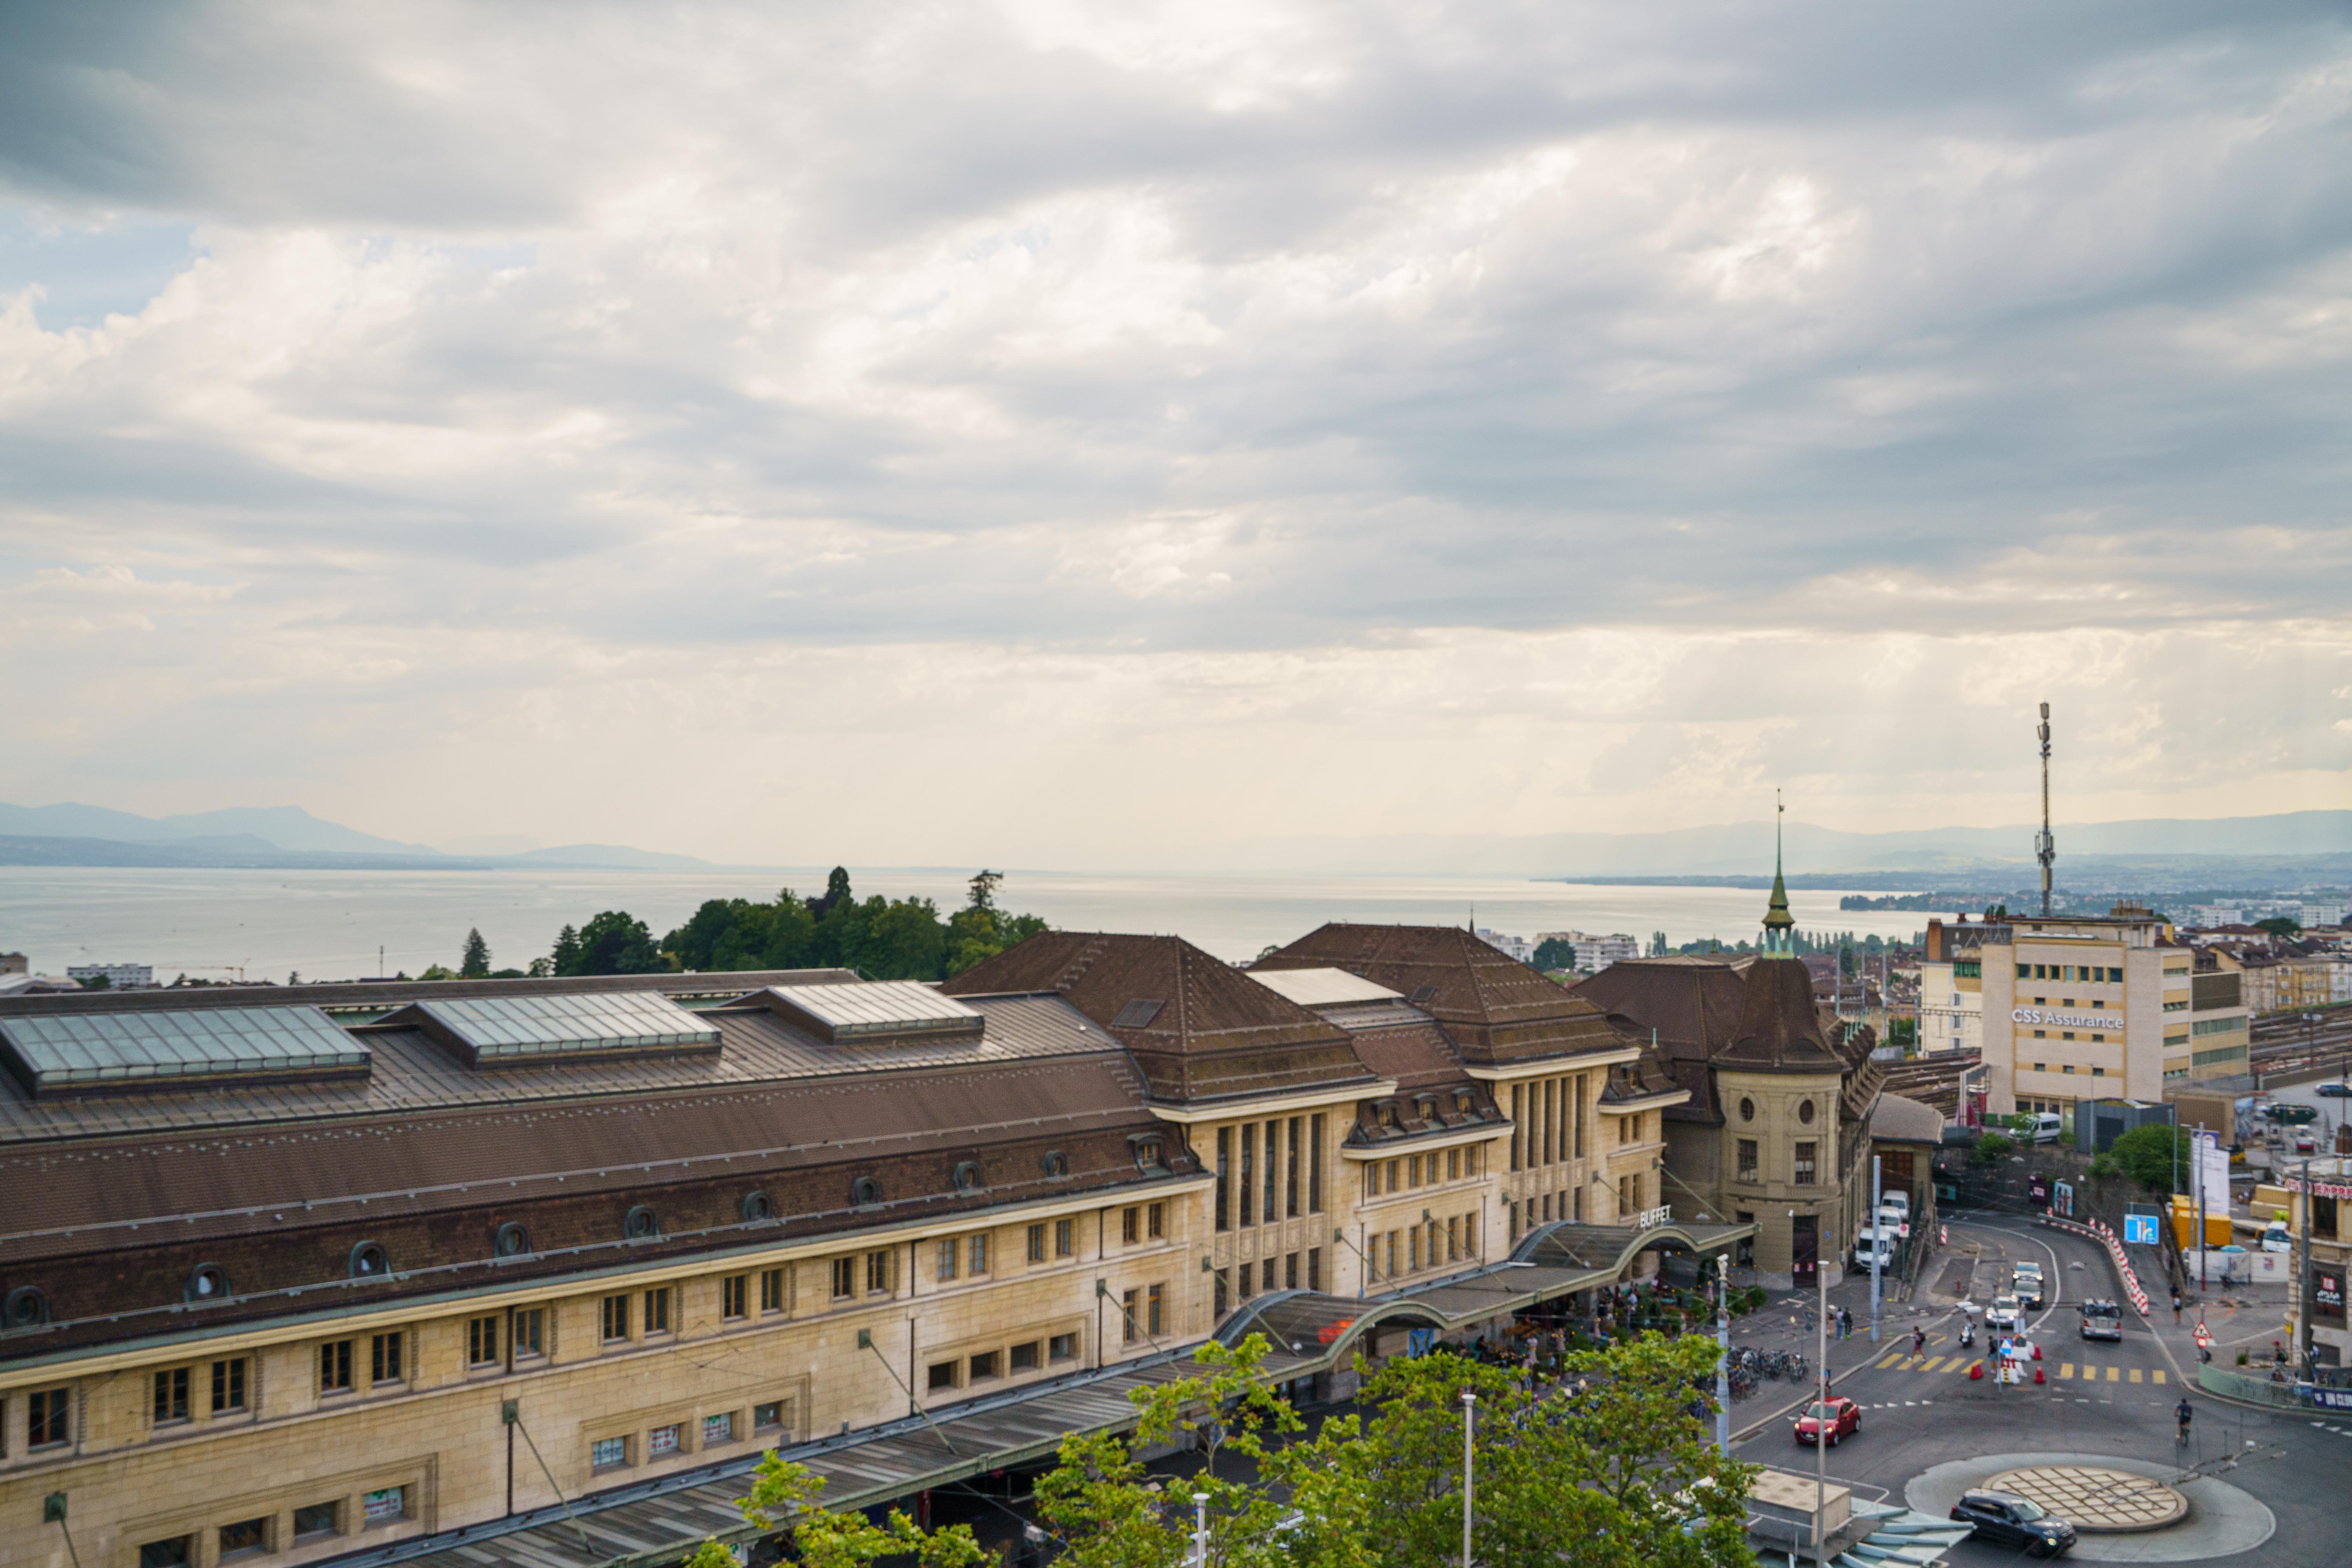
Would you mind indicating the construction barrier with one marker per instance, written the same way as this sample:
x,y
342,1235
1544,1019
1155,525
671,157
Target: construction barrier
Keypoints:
x,y
2096,1230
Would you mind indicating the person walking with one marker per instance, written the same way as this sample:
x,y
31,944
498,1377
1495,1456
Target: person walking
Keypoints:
x,y
2176,1306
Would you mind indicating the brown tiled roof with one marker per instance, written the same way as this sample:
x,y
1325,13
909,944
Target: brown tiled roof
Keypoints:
x,y
1496,1009
1214,1034
1692,1003
1780,1028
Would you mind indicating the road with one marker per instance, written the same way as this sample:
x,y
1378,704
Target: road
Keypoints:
x,y
2104,1398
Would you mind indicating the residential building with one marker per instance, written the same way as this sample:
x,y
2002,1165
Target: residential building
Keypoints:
x,y
2327,1209
1595,952
1951,987
1516,947
118,976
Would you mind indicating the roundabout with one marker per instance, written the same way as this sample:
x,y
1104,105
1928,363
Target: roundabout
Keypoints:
x,y
2126,1510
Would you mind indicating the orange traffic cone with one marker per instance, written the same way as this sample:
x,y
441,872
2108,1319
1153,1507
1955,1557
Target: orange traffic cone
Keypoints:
x,y
2038,1378
1976,1370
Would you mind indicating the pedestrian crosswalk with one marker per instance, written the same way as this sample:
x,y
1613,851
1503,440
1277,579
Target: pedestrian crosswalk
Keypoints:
x,y
2064,1372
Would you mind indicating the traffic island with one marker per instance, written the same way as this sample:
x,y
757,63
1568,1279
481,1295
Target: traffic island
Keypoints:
x,y
2217,1519
2095,1499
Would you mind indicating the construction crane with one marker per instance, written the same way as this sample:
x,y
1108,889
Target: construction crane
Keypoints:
x,y
2045,848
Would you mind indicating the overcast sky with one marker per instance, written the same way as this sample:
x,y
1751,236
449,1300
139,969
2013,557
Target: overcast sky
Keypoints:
x,y
1082,436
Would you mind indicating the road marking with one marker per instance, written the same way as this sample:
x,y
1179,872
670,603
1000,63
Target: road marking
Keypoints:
x,y
2065,1370
1889,1361
2135,1374
2159,1375
2111,1374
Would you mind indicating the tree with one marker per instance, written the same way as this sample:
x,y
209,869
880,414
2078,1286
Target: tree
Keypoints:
x,y
437,972
98,983
785,1492
2156,1157
837,891
474,963
1990,1146
293,977
2280,925
1553,955
541,968
983,888
1657,944
565,958
614,943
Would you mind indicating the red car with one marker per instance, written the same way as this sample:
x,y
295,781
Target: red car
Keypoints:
x,y
1840,1416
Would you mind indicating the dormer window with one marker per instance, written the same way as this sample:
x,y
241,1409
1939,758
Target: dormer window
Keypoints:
x,y
640,1225
865,1191
1391,1120
369,1262
1055,1163
966,1176
1147,1156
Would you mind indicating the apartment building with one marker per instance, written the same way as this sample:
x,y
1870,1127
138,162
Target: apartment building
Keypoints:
x,y
1951,987
2320,1303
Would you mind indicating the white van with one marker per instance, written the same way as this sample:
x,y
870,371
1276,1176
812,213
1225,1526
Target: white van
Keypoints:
x,y
1881,1243
2048,1127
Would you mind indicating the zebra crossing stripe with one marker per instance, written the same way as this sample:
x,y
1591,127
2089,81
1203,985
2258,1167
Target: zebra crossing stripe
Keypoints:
x,y
2065,1371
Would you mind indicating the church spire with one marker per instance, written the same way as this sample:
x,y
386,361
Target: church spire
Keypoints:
x,y
1779,923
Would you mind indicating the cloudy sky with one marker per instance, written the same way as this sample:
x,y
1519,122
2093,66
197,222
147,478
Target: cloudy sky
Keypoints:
x,y
1074,435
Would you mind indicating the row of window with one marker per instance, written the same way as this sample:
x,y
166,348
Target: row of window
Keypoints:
x,y
1805,1111
1257,1278
2067,1068
2094,973
1430,1245
1547,1122
1540,1210
1280,1168
672,1439
1804,1157
2096,1039
243,1539
1010,1361
1421,1170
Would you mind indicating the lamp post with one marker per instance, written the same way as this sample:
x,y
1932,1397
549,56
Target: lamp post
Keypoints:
x,y
1469,1420
1200,1529
1723,1351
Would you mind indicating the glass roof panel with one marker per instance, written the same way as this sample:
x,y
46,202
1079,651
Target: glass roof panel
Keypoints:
x,y
60,1049
878,1006
594,1021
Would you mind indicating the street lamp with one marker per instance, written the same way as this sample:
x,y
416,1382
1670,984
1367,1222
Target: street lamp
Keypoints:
x,y
1469,1420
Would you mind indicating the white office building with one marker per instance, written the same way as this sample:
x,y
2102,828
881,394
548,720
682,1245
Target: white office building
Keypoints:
x,y
119,976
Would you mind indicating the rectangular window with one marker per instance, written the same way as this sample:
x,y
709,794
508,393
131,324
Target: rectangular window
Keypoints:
x,y
2323,1219
1224,1163
1413,1171
1037,1243
1026,1357
845,1278
1519,1123
664,1441
1272,1211
1470,1234
49,1422
657,1311
1155,1221
1396,1173
613,1319
1224,1296
979,1253
1249,1173
1578,1124
1372,1182
719,1428
1131,1330
229,1385
335,1366
1290,1170
1130,1225
940,1376
1065,1243
734,1295
1747,1159
245,1538
1248,1272
877,1273
1315,1164
771,1289
384,1358
1062,1347
986,1366
1551,1121
172,1395
1153,1301
386,1505
769,1416
172,1554
1391,1269
529,1333
481,1341
608,1453
1315,1268
318,1519
1289,1271
946,1253
1805,1152
1452,1241
1413,1245
1453,1165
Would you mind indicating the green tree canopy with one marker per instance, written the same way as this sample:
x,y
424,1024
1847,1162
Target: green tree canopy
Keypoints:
x,y
1554,954
474,963
883,938
614,943
2156,1157
565,957
2280,925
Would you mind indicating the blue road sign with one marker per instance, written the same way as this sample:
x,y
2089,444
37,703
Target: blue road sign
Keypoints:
x,y
2139,1229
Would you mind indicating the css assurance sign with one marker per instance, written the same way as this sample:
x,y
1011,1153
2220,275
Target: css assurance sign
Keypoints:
x,y
2050,1016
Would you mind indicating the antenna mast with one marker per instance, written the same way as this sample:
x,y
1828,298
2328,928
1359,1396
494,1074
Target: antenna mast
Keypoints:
x,y
2045,848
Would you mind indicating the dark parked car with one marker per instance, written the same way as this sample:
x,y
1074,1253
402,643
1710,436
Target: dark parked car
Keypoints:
x,y
2338,1088
2007,1519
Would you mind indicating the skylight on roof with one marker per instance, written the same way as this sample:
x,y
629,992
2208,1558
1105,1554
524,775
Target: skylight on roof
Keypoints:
x,y
872,1010
83,1051
1321,987
512,1029
1138,1014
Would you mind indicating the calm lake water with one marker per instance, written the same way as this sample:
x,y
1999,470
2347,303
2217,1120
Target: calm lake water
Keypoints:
x,y
330,924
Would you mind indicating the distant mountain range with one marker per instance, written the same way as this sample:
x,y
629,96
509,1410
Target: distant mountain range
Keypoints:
x,y
275,836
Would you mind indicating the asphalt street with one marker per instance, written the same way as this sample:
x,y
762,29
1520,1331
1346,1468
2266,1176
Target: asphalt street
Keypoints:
x,y
2100,1398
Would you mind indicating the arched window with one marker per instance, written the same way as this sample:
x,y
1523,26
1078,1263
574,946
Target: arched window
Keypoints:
x,y
966,1176
758,1206
369,1262
1055,1163
641,1225
865,1190
511,1240
26,1307
207,1282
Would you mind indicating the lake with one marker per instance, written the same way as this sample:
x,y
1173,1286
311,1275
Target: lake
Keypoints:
x,y
328,925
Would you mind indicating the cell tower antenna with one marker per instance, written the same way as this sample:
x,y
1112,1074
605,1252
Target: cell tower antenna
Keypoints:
x,y
2045,848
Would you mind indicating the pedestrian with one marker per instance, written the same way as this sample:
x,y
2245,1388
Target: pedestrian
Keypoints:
x,y
1845,1322
2176,1306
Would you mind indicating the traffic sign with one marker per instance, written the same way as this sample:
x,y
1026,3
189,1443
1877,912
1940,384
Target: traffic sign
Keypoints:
x,y
2204,1336
2139,1229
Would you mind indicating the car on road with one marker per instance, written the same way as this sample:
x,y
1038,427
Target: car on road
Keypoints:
x,y
1894,1221
2025,1284
1881,1241
2276,1237
2006,1519
2336,1090
2005,1315
2102,1321
1838,1416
